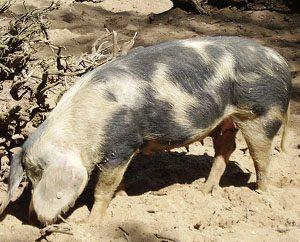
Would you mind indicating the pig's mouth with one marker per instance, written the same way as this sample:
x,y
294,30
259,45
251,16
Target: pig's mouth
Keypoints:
x,y
58,190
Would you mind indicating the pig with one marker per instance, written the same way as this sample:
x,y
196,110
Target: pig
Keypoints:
x,y
154,99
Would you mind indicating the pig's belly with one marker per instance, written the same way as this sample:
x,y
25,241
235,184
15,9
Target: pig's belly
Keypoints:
x,y
156,145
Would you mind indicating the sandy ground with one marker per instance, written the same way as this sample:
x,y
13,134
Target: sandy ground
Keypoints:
x,y
164,201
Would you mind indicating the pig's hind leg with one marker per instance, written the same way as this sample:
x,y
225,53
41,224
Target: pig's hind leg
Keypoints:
x,y
259,134
224,145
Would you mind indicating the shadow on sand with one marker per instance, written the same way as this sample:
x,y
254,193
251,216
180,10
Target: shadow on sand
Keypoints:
x,y
149,174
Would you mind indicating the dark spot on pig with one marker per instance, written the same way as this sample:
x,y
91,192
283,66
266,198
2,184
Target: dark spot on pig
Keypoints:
x,y
272,127
258,110
156,120
122,137
191,72
262,94
185,67
205,112
273,86
116,162
208,109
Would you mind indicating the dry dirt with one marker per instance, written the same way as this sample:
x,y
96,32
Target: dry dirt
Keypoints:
x,y
164,201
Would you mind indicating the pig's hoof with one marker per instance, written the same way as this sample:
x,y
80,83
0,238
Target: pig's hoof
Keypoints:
x,y
121,193
207,188
210,188
94,224
94,221
262,187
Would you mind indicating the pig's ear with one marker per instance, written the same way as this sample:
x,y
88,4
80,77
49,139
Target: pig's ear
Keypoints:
x,y
57,191
16,176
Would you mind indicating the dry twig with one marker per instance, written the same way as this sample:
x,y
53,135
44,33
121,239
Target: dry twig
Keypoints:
x,y
6,5
165,238
125,233
56,228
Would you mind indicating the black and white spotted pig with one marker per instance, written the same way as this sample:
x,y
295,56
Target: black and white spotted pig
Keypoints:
x,y
155,98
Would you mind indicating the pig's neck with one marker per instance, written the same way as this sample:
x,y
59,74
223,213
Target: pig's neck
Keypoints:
x,y
78,124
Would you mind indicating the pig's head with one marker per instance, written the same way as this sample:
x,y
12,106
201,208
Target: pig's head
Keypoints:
x,y
57,175
58,178
54,168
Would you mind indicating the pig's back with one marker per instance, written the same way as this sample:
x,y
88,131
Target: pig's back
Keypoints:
x,y
213,66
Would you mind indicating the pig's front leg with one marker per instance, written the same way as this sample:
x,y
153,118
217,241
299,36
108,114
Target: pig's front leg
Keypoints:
x,y
122,141
109,180
121,190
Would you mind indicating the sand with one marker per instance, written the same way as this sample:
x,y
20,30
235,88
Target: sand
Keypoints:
x,y
164,201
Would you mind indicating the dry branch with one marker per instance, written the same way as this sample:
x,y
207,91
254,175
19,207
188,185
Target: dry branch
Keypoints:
x,y
56,228
6,5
